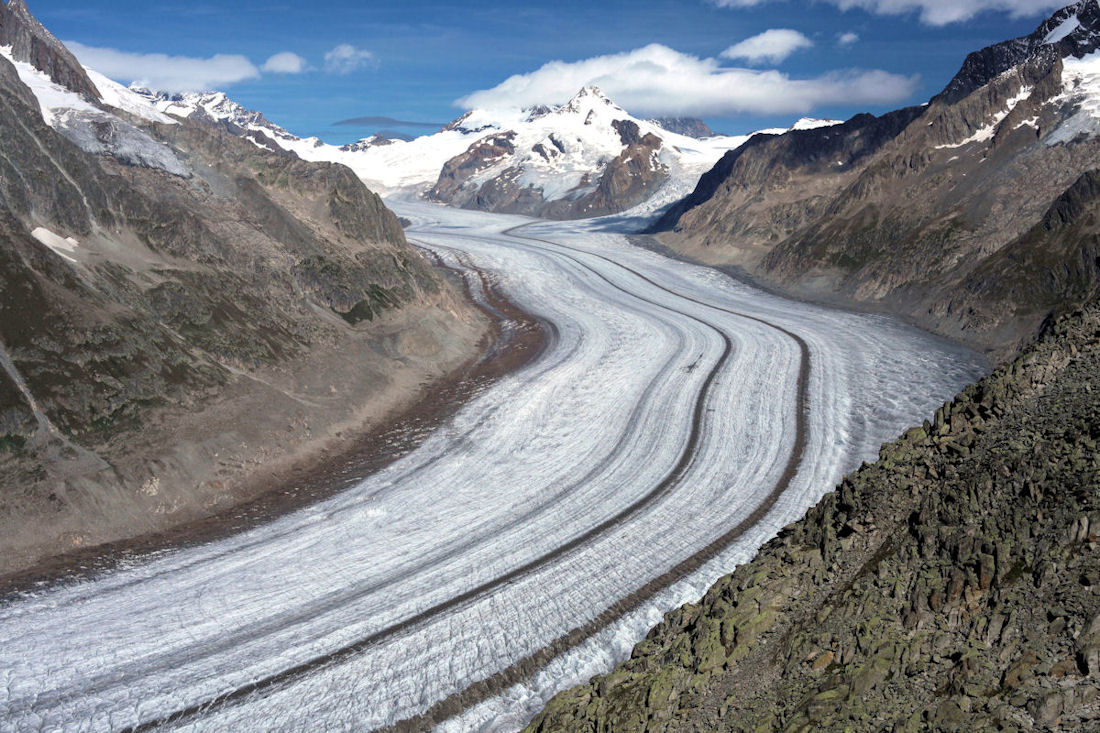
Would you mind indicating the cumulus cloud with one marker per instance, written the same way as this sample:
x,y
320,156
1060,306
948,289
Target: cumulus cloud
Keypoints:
x,y
346,58
660,81
285,63
932,12
771,46
166,73
847,39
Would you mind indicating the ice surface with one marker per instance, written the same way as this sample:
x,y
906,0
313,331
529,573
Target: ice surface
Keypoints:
x,y
578,439
101,133
1081,91
126,99
809,123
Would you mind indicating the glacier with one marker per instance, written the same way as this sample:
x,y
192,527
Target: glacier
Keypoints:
x,y
675,421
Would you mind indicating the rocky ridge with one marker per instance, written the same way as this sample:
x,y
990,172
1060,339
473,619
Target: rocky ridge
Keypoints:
x,y
177,306
952,585
920,212
30,41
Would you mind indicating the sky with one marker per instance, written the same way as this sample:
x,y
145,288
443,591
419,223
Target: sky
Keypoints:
x,y
741,65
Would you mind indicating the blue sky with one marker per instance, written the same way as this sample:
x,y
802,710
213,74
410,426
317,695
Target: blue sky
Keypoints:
x,y
412,60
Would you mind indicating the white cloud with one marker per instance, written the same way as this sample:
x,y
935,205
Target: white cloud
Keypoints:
x,y
932,12
166,73
285,63
660,81
346,58
771,46
847,39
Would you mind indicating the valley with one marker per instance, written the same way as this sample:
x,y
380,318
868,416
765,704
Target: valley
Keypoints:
x,y
563,415
527,516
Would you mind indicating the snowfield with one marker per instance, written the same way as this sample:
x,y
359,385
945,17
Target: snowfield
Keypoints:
x,y
676,421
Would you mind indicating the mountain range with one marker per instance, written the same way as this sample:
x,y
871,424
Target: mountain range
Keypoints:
x,y
588,157
971,215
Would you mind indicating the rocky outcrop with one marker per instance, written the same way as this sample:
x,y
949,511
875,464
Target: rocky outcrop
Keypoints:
x,y
686,126
630,179
482,155
952,585
921,212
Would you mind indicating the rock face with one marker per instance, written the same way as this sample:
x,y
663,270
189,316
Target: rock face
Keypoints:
x,y
952,585
687,126
921,212
163,319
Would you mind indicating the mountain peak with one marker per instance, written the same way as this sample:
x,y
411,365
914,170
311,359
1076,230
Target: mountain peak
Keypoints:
x,y
591,91
32,43
588,100
1072,31
1078,24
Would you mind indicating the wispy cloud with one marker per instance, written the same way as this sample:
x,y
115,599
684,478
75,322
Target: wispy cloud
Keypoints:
x,y
346,58
660,81
285,63
847,39
772,46
167,73
375,120
932,12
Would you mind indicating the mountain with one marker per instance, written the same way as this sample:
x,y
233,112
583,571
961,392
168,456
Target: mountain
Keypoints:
x,y
384,163
587,158
177,305
951,585
969,215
